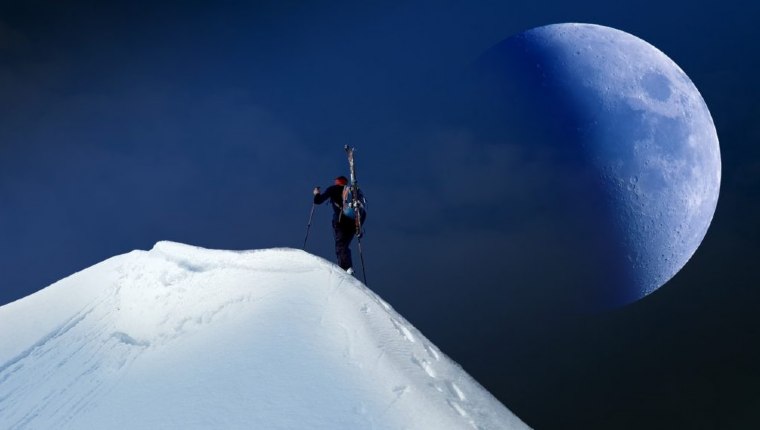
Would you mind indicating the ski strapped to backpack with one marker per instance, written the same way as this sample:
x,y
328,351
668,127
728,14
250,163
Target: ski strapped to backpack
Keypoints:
x,y
353,199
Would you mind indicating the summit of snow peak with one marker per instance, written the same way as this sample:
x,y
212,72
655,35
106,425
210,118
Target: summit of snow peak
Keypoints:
x,y
186,337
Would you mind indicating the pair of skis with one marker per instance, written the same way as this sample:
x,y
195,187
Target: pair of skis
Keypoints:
x,y
356,204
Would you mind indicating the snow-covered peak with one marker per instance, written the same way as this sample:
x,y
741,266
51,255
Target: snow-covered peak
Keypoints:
x,y
188,338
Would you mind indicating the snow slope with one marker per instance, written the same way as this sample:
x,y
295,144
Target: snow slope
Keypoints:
x,y
187,338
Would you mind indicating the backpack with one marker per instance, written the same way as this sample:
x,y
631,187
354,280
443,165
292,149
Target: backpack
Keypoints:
x,y
348,209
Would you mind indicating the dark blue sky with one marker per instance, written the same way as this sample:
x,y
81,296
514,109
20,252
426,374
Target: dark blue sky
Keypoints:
x,y
124,124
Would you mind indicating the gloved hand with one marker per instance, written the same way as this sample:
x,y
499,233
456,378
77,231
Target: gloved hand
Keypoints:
x,y
315,191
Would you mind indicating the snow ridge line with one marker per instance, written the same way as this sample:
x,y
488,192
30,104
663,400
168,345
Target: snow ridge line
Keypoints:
x,y
220,259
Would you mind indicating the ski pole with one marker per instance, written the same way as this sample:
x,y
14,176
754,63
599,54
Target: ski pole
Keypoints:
x,y
361,256
308,226
359,242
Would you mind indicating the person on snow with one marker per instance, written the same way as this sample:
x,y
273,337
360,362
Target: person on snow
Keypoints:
x,y
344,228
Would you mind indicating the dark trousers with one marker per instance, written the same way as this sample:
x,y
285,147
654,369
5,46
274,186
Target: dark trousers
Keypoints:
x,y
344,234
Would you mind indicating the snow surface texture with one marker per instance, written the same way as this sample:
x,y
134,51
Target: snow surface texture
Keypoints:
x,y
181,337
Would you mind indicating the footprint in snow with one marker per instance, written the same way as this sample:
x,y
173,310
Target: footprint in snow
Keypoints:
x,y
455,390
437,387
457,407
425,365
383,303
433,353
403,330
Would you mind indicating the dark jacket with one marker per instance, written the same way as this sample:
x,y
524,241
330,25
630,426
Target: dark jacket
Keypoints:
x,y
335,194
